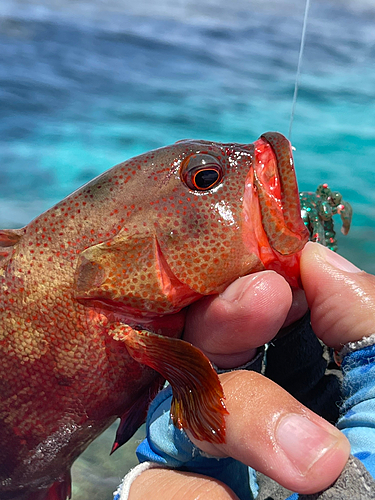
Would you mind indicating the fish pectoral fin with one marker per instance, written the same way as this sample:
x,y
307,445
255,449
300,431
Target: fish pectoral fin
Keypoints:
x,y
8,239
135,416
198,397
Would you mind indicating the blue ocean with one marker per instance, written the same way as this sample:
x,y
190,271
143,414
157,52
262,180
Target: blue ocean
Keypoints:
x,y
88,84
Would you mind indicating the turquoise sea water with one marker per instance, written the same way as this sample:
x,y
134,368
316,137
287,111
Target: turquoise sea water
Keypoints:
x,y
87,84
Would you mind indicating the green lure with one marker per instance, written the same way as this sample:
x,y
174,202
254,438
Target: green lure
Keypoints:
x,y
317,211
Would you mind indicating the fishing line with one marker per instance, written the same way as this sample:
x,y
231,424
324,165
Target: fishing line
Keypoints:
x,y
302,46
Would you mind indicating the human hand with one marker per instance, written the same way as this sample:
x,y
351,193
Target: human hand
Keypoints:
x,y
341,297
308,454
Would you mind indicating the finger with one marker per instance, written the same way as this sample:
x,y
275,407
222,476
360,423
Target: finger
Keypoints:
x,y
299,307
341,296
164,484
229,327
272,432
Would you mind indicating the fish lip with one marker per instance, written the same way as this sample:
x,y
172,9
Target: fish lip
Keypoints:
x,y
273,190
273,229
281,198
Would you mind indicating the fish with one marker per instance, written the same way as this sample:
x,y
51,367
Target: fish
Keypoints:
x,y
94,294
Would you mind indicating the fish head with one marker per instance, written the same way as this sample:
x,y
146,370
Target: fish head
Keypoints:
x,y
200,215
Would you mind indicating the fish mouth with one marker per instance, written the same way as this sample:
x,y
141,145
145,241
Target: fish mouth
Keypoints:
x,y
272,197
279,200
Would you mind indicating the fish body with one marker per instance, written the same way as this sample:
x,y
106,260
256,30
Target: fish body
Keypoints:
x,y
94,291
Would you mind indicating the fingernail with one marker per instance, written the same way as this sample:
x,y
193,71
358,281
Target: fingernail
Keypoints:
x,y
303,441
337,260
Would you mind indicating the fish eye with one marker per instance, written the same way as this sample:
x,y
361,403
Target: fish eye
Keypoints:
x,y
201,172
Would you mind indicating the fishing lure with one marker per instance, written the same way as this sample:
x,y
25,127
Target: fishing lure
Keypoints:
x,y
317,211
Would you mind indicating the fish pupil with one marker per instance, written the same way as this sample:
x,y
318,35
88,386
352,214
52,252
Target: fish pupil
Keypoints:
x,y
204,179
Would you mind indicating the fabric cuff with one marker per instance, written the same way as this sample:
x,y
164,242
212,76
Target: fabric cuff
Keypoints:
x,y
122,492
356,346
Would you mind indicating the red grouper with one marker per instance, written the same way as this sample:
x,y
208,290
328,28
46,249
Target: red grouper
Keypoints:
x,y
93,296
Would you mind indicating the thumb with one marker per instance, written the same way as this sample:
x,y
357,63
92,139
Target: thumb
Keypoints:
x,y
341,297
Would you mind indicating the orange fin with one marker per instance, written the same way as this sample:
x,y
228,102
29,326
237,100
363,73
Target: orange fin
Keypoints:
x,y
59,490
198,397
